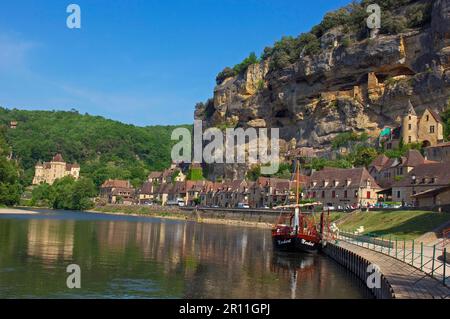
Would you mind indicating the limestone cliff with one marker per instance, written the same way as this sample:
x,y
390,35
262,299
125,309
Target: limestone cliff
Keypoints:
x,y
361,87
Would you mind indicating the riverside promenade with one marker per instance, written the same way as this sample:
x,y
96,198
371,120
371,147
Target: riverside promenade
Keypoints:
x,y
406,281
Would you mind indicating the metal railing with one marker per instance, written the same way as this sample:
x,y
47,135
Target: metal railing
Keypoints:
x,y
432,260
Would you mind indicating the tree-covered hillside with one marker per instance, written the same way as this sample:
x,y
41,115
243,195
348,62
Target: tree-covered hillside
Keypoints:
x,y
104,148
10,188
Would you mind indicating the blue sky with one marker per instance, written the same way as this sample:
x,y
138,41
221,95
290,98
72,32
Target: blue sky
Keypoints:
x,y
142,62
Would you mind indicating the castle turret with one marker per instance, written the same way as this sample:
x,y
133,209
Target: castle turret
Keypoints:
x,y
409,125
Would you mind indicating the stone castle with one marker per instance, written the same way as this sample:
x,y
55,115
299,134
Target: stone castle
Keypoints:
x,y
48,172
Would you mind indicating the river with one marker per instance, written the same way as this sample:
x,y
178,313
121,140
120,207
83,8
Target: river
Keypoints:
x,y
141,257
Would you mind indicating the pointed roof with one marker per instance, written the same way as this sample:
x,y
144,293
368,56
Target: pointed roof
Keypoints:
x,y
436,116
410,109
379,162
58,158
413,158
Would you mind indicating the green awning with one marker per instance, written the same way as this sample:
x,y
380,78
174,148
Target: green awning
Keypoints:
x,y
386,132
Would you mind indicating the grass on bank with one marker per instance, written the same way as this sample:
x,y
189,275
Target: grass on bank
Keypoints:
x,y
400,224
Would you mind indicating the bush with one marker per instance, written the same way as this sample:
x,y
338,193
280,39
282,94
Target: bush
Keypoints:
x,y
65,193
346,138
243,66
419,15
392,24
225,74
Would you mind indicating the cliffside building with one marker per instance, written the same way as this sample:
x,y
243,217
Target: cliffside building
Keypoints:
x,y
57,168
427,129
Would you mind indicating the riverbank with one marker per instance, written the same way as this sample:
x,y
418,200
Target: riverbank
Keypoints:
x,y
406,225
175,213
15,211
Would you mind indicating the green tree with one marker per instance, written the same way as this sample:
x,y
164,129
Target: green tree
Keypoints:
x,y
363,156
10,188
195,174
103,148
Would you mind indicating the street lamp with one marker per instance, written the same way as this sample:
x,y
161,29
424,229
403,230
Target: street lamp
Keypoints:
x,y
414,179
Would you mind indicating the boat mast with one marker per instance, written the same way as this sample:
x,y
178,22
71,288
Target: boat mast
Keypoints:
x,y
298,182
297,193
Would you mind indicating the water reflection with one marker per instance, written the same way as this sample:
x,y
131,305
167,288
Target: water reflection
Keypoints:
x,y
149,258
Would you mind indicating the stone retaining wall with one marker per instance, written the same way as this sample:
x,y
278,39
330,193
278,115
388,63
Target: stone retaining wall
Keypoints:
x,y
358,265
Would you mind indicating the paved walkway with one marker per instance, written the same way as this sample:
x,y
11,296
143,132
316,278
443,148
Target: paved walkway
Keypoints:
x,y
406,281
414,258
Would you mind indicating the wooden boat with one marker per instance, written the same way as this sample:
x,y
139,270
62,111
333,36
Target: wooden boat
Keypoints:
x,y
297,231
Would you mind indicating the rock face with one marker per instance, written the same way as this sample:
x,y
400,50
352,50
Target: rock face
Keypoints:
x,y
361,87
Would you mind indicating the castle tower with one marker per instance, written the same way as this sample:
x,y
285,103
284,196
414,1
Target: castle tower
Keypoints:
x,y
409,125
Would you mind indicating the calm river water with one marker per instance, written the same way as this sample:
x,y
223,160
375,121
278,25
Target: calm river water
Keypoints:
x,y
137,257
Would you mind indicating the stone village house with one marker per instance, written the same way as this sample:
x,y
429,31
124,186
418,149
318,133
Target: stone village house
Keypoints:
x,y
117,192
386,171
427,129
336,187
426,179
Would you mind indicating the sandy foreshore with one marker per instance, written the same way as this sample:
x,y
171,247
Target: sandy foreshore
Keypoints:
x,y
15,211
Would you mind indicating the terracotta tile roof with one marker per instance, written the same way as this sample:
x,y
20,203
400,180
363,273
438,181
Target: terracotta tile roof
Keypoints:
x,y
146,188
413,158
153,175
379,162
356,176
115,183
165,188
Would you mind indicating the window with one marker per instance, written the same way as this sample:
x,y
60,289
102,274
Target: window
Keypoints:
x,y
410,127
409,139
428,118
432,129
345,194
369,194
333,194
399,194
323,194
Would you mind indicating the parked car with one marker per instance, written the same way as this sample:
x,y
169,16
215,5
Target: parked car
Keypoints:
x,y
243,206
